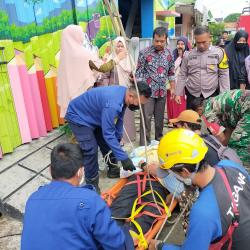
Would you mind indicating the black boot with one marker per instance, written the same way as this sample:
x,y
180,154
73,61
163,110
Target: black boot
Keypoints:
x,y
94,182
113,169
113,172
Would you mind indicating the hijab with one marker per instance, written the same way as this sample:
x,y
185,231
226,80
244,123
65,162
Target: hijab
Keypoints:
x,y
74,74
236,54
124,67
183,39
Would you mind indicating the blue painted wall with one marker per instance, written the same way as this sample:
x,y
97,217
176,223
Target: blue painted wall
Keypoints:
x,y
147,18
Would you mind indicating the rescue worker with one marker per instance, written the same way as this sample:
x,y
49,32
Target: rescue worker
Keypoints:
x,y
224,201
204,70
96,119
62,215
191,120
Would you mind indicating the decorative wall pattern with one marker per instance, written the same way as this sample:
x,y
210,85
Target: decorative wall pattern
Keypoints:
x,y
30,33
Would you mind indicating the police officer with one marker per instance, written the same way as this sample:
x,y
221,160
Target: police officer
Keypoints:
x,y
96,119
204,70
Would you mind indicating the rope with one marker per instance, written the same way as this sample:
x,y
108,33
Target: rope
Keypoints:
x,y
107,160
112,51
166,219
130,142
104,11
140,107
177,221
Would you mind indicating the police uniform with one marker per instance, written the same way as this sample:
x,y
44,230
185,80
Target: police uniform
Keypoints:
x,y
203,73
96,119
62,216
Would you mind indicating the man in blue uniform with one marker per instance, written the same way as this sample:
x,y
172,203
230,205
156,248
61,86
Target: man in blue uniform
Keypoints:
x,y
96,119
221,214
62,215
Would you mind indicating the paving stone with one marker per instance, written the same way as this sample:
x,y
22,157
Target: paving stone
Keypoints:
x,y
18,154
12,179
11,243
42,141
38,160
15,204
46,173
9,226
61,139
106,183
26,149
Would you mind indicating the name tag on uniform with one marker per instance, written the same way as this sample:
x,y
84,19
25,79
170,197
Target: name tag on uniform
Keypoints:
x,y
192,57
213,56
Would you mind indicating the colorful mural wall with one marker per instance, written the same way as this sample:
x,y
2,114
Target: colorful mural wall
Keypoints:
x,y
30,32
160,5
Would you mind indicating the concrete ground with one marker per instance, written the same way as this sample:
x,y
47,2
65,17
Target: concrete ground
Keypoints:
x,y
27,168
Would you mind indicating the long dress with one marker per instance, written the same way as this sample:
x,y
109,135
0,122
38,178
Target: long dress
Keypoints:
x,y
173,108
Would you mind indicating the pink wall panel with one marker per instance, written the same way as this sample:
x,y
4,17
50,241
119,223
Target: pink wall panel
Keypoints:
x,y
25,82
37,104
19,102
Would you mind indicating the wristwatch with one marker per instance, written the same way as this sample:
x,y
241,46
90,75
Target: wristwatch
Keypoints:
x,y
143,165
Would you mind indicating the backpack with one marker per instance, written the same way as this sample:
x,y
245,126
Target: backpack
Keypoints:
x,y
224,153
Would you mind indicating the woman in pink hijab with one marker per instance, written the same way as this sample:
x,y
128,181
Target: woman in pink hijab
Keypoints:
x,y
74,74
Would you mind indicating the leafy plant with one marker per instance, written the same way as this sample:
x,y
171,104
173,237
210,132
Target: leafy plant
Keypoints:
x,y
232,18
216,30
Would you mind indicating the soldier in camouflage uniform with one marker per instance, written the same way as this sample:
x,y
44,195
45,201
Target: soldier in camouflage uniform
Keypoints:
x,y
231,109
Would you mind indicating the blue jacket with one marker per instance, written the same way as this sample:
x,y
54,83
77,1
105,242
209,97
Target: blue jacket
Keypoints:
x,y
61,216
211,214
101,107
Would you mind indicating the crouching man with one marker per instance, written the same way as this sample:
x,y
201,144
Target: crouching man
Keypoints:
x,y
63,215
220,217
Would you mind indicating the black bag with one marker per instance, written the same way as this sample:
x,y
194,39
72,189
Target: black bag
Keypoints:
x,y
224,153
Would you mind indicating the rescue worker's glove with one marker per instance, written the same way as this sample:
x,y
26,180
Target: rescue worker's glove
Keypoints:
x,y
128,164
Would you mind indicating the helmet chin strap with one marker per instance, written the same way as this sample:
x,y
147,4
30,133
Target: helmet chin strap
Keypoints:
x,y
197,167
189,181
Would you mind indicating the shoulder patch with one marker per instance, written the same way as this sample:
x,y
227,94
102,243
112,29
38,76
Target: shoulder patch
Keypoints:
x,y
224,62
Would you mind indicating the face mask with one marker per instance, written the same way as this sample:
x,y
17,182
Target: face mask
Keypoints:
x,y
186,181
240,46
83,177
133,107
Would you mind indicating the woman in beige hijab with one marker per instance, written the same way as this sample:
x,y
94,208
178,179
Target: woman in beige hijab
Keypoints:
x,y
120,72
74,73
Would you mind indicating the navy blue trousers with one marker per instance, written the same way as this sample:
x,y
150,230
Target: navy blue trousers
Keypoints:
x,y
89,139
